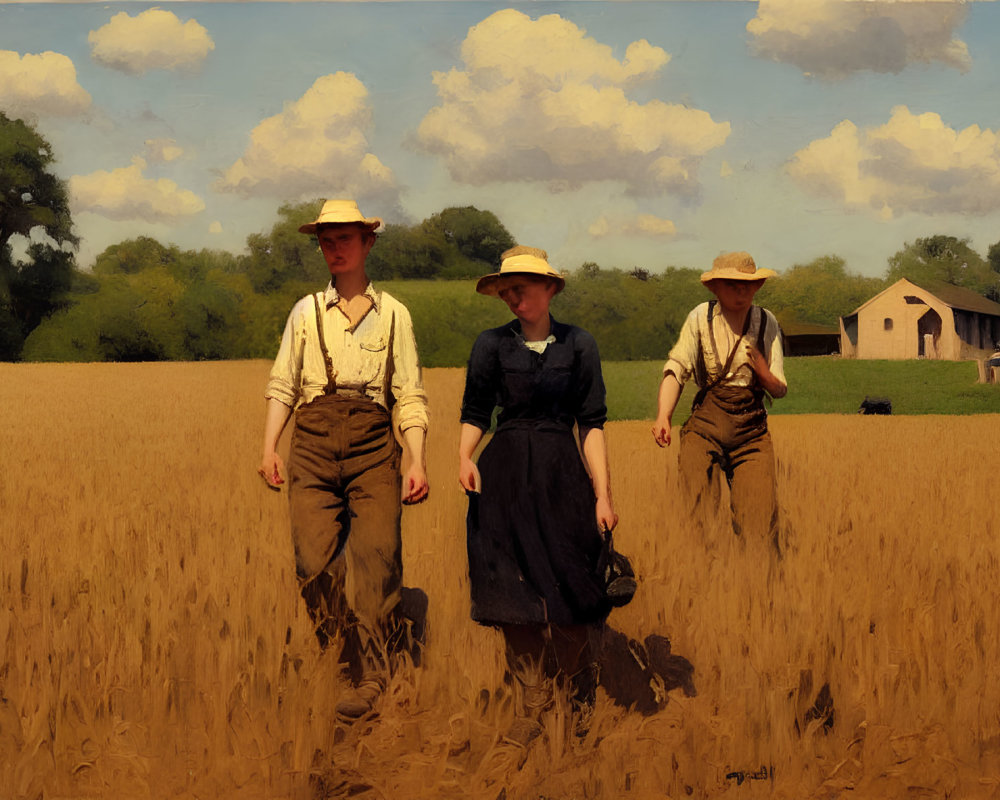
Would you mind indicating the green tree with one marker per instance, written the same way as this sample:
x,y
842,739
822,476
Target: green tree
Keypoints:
x,y
404,252
477,235
284,254
946,259
32,200
819,292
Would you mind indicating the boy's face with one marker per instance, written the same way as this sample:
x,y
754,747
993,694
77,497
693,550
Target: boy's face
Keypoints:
x,y
345,247
734,295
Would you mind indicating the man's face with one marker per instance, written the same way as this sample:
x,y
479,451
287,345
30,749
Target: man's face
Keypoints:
x,y
345,248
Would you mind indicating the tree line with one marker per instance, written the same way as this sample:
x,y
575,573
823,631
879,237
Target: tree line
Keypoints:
x,y
145,300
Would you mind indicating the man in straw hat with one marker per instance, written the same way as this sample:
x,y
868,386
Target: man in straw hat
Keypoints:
x,y
732,350
348,366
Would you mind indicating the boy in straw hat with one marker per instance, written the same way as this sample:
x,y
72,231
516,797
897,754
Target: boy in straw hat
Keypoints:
x,y
348,366
732,350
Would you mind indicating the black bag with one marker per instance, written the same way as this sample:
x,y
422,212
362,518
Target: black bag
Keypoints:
x,y
616,573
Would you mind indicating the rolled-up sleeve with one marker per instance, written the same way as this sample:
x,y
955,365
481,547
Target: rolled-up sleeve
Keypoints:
x,y
775,354
592,411
285,380
481,382
681,360
407,386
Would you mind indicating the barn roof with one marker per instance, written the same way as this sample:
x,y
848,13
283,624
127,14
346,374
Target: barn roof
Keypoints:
x,y
951,296
808,329
957,297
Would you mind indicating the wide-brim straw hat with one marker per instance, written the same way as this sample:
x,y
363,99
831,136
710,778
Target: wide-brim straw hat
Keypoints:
x,y
737,266
520,261
341,212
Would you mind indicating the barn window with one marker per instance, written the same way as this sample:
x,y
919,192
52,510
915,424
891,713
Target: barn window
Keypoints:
x,y
887,324
914,301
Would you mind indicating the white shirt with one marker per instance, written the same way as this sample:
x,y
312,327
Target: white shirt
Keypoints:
x,y
360,356
684,355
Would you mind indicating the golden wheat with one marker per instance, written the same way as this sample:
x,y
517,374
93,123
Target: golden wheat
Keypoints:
x,y
153,642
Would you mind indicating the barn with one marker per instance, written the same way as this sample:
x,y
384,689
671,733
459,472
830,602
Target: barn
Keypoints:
x,y
930,320
808,339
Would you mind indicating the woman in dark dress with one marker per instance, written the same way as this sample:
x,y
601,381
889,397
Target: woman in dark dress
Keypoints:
x,y
536,508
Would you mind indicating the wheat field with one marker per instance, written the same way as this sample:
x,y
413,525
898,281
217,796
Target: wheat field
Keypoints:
x,y
153,644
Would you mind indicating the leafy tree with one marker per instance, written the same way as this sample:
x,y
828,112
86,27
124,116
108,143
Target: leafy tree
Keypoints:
x,y
478,235
133,256
284,254
408,253
819,292
32,199
993,259
946,259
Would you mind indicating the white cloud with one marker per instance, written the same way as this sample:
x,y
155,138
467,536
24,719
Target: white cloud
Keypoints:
x,y
154,39
126,194
914,162
40,85
834,38
539,100
163,150
644,225
215,227
317,145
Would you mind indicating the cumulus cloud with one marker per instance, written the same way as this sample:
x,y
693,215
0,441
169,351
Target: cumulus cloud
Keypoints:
x,y
914,162
41,84
126,194
834,38
644,225
539,100
215,227
154,39
316,145
163,150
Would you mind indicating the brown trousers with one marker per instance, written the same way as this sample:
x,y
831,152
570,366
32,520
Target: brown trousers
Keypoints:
x,y
344,499
727,435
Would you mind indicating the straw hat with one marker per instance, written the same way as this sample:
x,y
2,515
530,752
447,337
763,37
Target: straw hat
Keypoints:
x,y
520,261
340,212
737,266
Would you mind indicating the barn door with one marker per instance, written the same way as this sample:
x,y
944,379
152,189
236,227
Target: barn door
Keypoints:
x,y
928,333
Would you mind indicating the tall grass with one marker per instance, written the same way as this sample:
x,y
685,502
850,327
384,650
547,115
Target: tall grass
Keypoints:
x,y
152,643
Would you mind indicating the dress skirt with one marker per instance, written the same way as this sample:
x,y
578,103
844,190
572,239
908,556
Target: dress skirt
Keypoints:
x,y
533,540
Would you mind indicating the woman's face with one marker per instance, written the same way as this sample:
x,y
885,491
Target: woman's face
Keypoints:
x,y
735,296
527,296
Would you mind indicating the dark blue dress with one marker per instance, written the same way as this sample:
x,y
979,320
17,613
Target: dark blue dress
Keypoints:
x,y
533,540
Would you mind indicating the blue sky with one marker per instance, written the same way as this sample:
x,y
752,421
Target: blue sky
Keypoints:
x,y
647,134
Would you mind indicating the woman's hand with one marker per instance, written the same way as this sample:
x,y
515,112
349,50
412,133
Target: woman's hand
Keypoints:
x,y
415,486
607,519
468,475
270,469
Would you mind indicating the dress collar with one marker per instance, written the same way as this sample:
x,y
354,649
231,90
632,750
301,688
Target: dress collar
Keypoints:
x,y
557,331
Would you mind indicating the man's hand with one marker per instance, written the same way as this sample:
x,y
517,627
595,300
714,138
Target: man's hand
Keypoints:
x,y
270,469
661,432
415,486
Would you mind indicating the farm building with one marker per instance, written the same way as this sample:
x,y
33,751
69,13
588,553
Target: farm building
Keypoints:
x,y
808,339
929,321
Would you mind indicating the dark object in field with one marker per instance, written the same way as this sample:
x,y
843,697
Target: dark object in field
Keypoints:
x,y
875,405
